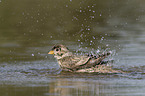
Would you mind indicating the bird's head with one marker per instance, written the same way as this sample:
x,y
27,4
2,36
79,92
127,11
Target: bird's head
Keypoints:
x,y
60,51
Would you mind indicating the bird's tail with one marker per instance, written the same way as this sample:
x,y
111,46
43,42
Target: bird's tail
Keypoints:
x,y
100,57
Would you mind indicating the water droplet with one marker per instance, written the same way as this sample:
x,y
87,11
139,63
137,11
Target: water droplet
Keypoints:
x,y
32,54
91,41
66,6
50,36
100,14
23,13
70,0
81,35
88,28
93,11
78,40
80,10
107,44
75,18
89,9
92,17
102,38
37,21
94,37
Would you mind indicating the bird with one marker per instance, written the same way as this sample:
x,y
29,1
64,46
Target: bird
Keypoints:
x,y
71,62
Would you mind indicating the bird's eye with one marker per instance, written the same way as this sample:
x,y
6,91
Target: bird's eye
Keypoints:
x,y
57,49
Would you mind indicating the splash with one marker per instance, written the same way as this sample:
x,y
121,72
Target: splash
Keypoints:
x,y
32,54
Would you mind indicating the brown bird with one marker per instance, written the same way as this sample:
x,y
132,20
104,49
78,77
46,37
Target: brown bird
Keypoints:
x,y
71,62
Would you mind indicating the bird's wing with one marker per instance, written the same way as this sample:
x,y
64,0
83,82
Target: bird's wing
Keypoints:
x,y
87,62
73,61
80,60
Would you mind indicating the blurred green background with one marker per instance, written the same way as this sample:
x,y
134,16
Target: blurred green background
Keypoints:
x,y
28,23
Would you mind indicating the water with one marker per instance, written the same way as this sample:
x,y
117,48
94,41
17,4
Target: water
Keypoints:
x,y
28,32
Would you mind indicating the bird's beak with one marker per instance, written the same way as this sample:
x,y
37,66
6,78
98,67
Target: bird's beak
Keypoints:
x,y
51,52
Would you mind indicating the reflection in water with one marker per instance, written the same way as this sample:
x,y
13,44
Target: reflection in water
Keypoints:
x,y
93,88
84,88
28,31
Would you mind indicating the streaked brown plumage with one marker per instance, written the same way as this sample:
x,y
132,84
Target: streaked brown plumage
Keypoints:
x,y
71,62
